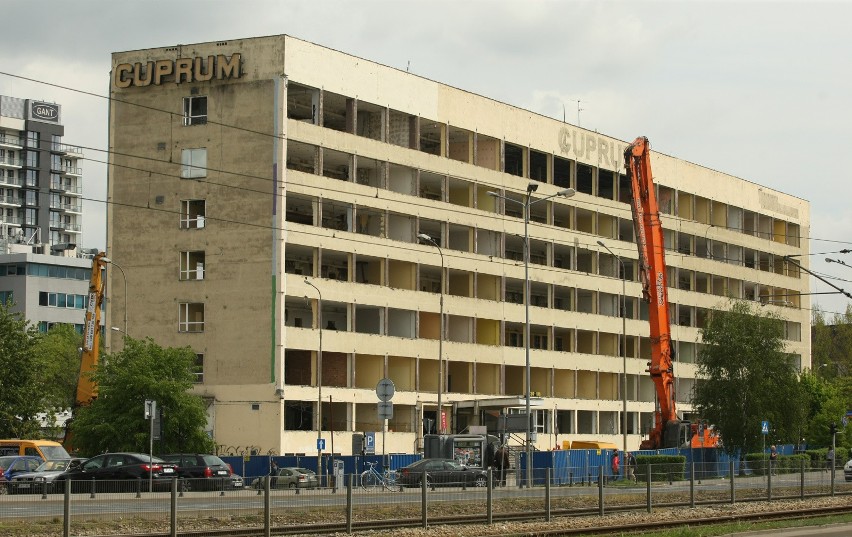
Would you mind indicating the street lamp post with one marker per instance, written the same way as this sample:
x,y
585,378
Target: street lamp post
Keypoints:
x,y
623,352
319,381
440,425
531,187
124,277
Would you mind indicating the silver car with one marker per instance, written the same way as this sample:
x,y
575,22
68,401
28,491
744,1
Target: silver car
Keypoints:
x,y
42,479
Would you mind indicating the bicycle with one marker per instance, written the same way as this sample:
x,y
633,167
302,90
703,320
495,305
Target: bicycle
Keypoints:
x,y
371,479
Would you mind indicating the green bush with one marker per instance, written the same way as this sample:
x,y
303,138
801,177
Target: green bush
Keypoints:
x,y
818,457
759,462
663,467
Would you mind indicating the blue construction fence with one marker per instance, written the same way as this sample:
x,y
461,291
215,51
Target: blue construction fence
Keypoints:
x,y
568,467
581,466
254,466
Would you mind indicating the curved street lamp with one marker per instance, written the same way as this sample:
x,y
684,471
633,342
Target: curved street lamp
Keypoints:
x,y
623,351
440,424
124,277
531,187
319,381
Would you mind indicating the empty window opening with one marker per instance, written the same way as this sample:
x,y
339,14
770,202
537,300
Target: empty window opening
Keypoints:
x,y
585,180
606,184
190,317
198,368
302,103
300,209
192,214
301,157
195,110
335,164
192,265
370,122
431,137
561,172
336,112
538,166
513,160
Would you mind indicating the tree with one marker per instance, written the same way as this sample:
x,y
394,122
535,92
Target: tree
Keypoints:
x,y
825,405
746,377
20,376
143,370
58,353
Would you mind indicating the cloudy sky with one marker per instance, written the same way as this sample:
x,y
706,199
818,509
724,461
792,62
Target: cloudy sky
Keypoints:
x,y
759,90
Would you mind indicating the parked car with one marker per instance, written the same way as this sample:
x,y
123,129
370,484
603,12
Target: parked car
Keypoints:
x,y
441,472
290,478
847,470
199,471
11,465
113,472
236,482
41,480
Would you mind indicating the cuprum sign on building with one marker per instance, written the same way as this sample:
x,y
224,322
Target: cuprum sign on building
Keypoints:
x,y
242,168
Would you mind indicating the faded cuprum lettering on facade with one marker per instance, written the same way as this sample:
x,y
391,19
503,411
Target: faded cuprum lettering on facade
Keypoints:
x,y
159,72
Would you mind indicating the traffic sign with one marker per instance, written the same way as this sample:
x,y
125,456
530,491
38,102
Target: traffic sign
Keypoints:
x,y
385,390
320,444
385,410
370,443
764,427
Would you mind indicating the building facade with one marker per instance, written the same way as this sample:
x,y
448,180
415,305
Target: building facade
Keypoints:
x,y
268,202
41,189
46,289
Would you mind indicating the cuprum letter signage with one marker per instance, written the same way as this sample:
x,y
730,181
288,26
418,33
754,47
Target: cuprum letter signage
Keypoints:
x,y
159,72
590,147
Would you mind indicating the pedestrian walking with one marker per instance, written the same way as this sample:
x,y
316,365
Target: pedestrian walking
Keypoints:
x,y
630,463
501,465
273,473
773,459
615,465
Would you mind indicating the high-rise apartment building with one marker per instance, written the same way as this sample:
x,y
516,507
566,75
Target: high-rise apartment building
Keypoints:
x,y
41,188
42,270
268,198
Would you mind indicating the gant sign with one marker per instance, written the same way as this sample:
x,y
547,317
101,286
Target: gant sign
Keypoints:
x,y
158,72
44,112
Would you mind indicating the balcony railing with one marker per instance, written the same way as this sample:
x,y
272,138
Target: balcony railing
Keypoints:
x,y
10,220
70,207
10,161
73,189
7,180
15,141
10,200
64,148
65,226
72,170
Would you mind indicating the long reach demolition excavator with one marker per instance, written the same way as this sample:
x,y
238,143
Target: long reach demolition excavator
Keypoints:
x,y
668,431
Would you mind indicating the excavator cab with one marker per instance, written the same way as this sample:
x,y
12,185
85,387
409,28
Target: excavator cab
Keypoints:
x,y
677,434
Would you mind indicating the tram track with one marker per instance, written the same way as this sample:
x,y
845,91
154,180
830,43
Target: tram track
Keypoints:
x,y
618,520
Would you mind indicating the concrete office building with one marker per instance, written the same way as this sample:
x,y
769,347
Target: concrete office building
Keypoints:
x,y
46,289
267,195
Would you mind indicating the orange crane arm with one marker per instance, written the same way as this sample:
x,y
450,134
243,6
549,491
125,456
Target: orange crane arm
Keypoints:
x,y
87,390
652,275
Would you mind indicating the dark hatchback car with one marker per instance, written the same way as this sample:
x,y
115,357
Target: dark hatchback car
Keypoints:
x,y
199,471
441,473
115,472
